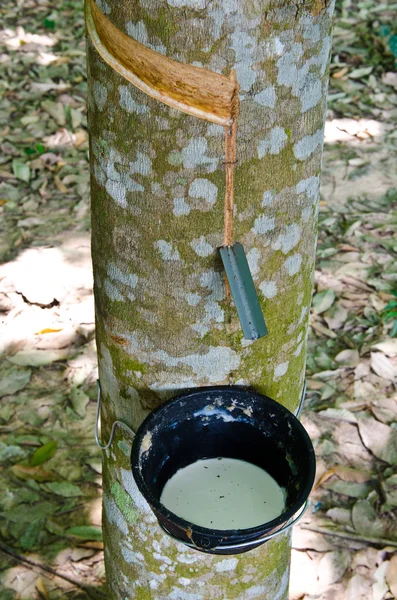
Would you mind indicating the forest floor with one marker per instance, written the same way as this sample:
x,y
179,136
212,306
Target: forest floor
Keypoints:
x,y
50,468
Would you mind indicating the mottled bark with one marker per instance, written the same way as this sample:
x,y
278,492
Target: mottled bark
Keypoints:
x,y
164,323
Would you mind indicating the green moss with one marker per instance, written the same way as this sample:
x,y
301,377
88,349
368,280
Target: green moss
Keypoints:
x,y
125,448
301,6
143,593
123,361
161,26
258,175
124,502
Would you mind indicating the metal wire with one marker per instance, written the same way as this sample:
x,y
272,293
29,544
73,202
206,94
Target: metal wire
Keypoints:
x,y
97,420
302,401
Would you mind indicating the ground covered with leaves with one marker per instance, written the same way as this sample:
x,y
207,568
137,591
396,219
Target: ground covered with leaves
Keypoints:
x,y
50,537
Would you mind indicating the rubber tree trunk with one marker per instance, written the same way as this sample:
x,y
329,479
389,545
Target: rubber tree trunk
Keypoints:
x,y
164,323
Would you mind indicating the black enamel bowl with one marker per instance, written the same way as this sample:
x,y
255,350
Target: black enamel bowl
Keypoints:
x,y
231,422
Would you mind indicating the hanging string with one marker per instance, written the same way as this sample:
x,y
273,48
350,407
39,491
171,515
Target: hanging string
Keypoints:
x,y
230,162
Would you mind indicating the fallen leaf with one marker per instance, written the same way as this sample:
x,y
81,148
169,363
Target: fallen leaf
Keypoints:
x,y
328,391
67,490
382,366
380,439
13,379
81,553
31,535
304,539
94,545
328,374
50,85
339,515
54,527
21,170
388,347
380,587
358,73
312,384
336,316
390,78
340,414
351,489
341,73
365,520
55,110
41,588
364,390
357,162
62,138
79,138
326,448
389,488
61,60
6,175
351,474
37,358
322,301
48,330
11,453
348,358
44,453
358,588
96,465
391,575
356,270
61,187
35,473
87,532
79,401
366,557
377,303
385,409
50,158
332,567
300,586
76,118
324,477
322,330
362,370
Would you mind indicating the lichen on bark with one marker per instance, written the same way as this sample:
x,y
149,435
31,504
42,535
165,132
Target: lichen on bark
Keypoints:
x,y
164,323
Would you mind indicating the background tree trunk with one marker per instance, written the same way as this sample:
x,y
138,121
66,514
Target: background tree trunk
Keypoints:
x,y
163,321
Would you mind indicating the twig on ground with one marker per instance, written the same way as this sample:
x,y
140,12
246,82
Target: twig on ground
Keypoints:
x,y
91,593
352,536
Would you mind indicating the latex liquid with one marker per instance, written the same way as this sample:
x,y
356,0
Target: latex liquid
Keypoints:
x,y
224,493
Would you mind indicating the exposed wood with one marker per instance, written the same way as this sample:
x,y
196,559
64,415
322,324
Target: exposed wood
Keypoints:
x,y
193,90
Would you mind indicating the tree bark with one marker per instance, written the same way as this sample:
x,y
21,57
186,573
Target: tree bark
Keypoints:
x,y
164,322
